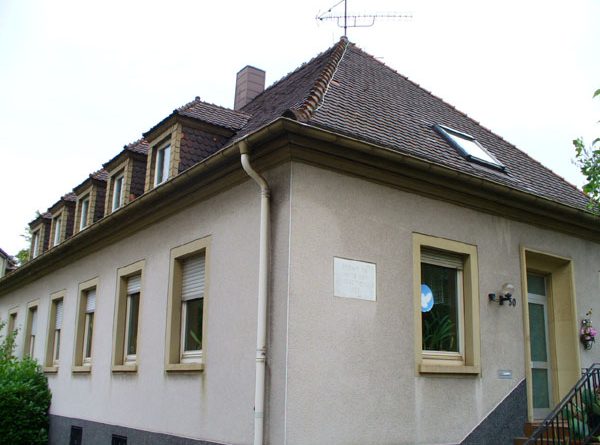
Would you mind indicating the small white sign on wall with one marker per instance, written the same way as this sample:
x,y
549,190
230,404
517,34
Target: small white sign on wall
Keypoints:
x,y
354,279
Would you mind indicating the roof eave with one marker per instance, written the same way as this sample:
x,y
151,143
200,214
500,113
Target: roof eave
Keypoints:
x,y
136,213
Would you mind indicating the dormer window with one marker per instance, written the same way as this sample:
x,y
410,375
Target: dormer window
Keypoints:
x,y
90,200
35,243
117,192
469,147
85,210
163,164
56,229
126,175
40,234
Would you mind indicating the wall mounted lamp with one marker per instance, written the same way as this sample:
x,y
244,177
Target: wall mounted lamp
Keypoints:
x,y
506,294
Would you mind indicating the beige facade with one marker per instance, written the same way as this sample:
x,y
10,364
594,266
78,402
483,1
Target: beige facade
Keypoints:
x,y
340,370
351,363
214,404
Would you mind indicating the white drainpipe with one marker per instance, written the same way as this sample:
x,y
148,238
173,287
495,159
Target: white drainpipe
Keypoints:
x,y
263,279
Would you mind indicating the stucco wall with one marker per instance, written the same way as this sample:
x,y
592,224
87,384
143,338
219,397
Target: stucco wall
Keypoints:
x,y
339,371
351,374
214,405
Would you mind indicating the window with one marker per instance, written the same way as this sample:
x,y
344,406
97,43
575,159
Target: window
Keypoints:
x,y
163,163
118,440
83,218
127,307
441,302
186,310
90,309
56,229
192,303
84,330
31,328
469,147
54,332
12,321
117,191
35,244
76,435
446,306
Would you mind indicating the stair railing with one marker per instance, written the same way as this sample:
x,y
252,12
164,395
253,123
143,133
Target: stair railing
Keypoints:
x,y
576,419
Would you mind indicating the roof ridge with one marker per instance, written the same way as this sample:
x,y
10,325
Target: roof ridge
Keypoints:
x,y
198,100
290,74
319,89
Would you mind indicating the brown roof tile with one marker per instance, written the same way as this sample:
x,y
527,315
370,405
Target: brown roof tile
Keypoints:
x,y
370,101
286,96
71,197
139,146
100,175
214,114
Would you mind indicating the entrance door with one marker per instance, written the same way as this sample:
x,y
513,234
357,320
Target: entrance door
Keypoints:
x,y
541,377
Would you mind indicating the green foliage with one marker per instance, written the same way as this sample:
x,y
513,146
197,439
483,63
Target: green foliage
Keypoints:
x,y
588,161
24,398
438,332
22,256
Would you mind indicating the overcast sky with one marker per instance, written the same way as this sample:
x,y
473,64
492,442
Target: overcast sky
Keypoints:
x,y
80,79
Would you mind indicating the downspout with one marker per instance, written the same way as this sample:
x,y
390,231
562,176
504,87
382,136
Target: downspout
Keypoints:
x,y
263,279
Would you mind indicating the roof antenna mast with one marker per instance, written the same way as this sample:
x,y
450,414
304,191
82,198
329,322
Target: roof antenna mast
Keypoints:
x,y
359,20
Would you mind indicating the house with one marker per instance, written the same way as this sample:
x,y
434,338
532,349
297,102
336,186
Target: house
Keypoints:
x,y
322,264
7,263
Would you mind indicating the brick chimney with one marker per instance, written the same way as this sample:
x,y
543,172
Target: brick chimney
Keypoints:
x,y
250,82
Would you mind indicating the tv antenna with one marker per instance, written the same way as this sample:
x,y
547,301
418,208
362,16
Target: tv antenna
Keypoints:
x,y
356,21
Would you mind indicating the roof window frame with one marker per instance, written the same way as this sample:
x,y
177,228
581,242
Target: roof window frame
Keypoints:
x,y
449,134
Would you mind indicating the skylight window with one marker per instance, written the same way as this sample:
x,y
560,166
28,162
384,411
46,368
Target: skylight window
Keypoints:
x,y
469,147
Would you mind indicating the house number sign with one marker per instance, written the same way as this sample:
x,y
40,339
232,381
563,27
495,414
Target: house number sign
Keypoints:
x,y
354,279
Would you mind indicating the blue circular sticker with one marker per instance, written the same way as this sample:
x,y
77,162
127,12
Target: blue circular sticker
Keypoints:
x,y
426,298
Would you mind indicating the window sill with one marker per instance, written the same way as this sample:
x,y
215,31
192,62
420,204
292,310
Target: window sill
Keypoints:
x,y
184,367
50,369
81,369
124,368
439,367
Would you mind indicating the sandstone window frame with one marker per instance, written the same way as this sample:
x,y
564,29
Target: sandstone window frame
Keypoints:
x,y
125,170
84,205
468,361
83,337
54,331
162,163
31,328
121,360
117,191
13,315
36,240
171,137
175,357
57,228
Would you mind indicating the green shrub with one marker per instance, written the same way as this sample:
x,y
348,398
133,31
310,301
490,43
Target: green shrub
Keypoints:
x,y
24,398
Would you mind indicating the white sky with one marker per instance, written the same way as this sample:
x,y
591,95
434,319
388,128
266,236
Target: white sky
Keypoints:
x,y
80,79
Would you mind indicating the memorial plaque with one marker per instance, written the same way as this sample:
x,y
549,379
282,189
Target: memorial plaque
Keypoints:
x,y
354,279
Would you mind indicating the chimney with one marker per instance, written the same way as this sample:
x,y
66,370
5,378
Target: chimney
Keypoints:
x,y
249,83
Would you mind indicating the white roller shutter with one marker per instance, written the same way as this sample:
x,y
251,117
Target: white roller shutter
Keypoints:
x,y
443,259
192,280
91,301
134,284
59,315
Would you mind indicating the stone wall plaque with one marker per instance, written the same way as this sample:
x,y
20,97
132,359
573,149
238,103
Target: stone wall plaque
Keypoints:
x,y
354,279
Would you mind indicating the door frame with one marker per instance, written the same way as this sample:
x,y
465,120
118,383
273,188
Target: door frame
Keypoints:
x,y
563,329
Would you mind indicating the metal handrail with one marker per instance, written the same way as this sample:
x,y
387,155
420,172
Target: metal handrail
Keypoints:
x,y
576,419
